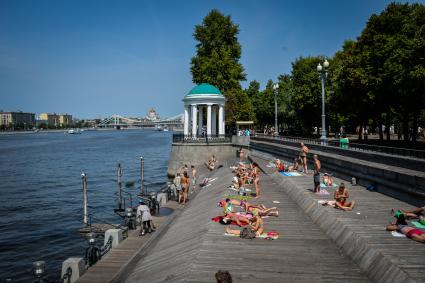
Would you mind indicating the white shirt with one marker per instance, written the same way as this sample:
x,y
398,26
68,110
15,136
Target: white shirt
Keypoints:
x,y
144,211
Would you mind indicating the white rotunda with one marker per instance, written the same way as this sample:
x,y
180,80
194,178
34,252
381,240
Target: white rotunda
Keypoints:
x,y
204,98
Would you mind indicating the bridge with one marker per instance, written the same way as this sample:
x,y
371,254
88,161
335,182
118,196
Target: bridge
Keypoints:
x,y
116,121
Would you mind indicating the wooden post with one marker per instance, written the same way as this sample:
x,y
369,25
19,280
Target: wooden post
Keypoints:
x,y
142,174
119,172
85,200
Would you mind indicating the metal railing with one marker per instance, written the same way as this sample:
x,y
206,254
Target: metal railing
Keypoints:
x,y
350,146
181,138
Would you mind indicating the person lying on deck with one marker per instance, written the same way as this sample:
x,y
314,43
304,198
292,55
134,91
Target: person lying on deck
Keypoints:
x,y
231,215
341,196
418,212
255,226
249,208
410,232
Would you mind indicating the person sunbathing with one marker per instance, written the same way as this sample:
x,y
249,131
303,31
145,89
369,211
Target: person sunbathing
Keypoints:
x,y
280,167
294,167
249,208
255,225
410,232
341,195
414,213
229,213
328,180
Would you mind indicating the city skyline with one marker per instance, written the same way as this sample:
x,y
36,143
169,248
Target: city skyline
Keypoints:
x,y
90,59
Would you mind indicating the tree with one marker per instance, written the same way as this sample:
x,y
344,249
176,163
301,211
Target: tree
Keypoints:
x,y
217,53
239,107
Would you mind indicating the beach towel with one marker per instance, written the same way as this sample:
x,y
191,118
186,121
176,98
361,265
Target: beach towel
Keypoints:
x,y
322,192
418,225
290,174
324,186
239,197
397,234
271,235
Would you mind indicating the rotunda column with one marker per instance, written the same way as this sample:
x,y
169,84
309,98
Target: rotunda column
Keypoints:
x,y
221,120
194,127
186,120
214,120
209,120
200,119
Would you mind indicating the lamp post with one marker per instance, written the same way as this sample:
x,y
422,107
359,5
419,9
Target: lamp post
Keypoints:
x,y
323,74
275,90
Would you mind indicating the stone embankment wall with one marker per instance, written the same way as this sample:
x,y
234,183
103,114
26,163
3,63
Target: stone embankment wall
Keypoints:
x,y
198,153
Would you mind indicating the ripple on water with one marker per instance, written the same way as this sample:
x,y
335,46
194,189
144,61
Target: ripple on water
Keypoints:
x,y
42,188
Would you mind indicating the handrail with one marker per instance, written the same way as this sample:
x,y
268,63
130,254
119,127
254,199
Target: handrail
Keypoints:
x,y
181,138
351,146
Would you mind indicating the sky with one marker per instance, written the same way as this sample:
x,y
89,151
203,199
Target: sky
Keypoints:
x,y
92,59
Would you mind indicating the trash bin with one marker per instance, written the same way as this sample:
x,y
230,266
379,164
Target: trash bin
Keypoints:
x,y
344,143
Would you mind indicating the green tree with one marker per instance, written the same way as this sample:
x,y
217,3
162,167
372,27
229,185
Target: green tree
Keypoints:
x,y
239,107
217,53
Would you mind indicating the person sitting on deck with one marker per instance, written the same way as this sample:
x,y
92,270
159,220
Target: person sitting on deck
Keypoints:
x,y
328,180
410,232
279,165
294,167
143,211
211,163
255,227
341,196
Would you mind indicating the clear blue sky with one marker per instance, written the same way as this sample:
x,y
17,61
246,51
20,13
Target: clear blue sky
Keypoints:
x,y
96,58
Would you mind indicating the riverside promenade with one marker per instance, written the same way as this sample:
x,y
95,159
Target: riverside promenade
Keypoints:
x,y
195,247
316,243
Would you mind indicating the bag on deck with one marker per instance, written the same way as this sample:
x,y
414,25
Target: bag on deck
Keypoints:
x,y
247,233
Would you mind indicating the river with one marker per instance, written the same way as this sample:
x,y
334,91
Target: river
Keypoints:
x,y
41,192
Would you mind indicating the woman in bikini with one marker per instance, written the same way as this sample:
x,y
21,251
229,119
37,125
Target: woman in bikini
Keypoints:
x,y
249,208
341,196
303,157
255,224
410,232
256,177
294,167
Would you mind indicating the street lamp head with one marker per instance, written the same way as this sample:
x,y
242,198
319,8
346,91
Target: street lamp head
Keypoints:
x,y
319,68
275,86
326,64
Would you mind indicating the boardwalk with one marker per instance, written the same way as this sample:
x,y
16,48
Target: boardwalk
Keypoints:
x,y
360,233
194,247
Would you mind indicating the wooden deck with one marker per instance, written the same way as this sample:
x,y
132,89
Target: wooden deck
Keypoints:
x,y
119,259
194,247
360,233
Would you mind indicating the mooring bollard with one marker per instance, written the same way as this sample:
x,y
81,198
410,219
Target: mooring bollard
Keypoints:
x,y
116,235
72,269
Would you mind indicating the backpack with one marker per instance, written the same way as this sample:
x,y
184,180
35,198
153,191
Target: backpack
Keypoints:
x,y
247,233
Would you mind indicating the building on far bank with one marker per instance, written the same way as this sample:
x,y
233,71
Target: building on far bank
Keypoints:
x,y
19,120
55,120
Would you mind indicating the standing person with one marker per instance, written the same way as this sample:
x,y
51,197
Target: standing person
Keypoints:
x,y
303,157
185,183
256,177
143,211
194,176
316,176
178,187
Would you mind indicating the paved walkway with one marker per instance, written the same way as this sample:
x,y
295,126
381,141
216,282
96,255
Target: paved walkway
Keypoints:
x,y
360,233
195,247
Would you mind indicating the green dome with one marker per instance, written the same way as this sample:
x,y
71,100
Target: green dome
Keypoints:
x,y
204,89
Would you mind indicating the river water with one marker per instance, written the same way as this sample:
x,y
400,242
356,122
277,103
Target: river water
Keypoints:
x,y
41,192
